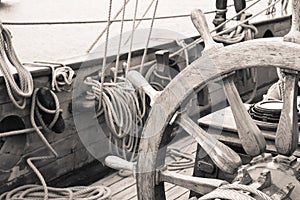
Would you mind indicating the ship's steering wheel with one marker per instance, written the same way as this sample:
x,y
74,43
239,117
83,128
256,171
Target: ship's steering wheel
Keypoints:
x,y
217,62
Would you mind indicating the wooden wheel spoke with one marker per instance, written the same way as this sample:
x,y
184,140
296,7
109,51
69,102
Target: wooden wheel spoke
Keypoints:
x,y
287,131
197,184
251,137
224,157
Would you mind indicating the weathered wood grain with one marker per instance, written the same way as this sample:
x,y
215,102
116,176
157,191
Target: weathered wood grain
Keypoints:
x,y
197,184
294,34
250,135
287,134
224,157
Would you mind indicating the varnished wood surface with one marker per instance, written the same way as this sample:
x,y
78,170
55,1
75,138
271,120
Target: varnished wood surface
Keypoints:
x,y
125,188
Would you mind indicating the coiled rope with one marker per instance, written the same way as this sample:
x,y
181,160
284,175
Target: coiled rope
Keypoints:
x,y
235,192
122,110
119,102
35,192
242,32
16,92
61,77
180,161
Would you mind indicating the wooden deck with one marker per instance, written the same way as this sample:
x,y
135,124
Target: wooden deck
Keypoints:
x,y
125,188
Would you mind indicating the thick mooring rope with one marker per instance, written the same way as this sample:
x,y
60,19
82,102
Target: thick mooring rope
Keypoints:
x,y
16,92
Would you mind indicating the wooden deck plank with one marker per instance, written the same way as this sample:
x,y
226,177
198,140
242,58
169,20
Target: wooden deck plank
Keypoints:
x,y
183,196
125,188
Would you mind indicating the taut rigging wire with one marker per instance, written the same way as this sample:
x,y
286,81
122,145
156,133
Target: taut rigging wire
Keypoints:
x,y
120,42
149,36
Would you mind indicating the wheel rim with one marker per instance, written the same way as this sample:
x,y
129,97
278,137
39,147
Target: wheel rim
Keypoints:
x,y
257,53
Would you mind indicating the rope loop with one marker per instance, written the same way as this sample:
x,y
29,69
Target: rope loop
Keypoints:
x,y
62,77
177,164
242,32
10,64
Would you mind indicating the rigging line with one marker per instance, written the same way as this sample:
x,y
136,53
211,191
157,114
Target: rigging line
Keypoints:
x,y
95,21
105,51
120,42
105,29
101,21
132,37
199,40
143,17
149,36
216,28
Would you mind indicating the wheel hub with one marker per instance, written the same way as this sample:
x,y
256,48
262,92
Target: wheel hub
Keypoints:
x,y
277,176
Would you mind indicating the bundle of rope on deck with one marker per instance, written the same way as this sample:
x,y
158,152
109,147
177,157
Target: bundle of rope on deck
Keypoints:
x,y
16,92
35,192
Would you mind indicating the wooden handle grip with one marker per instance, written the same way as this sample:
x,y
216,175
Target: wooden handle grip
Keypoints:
x,y
118,163
295,15
287,134
294,34
140,82
224,157
199,21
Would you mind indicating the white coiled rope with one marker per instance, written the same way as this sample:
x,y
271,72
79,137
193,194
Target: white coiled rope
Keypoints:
x,y
61,77
122,110
235,192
